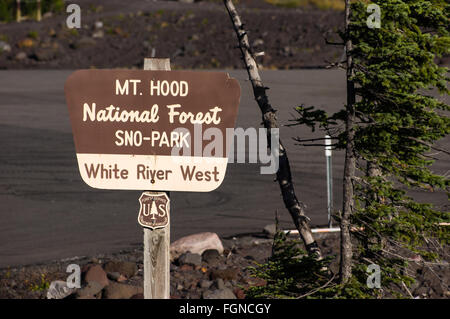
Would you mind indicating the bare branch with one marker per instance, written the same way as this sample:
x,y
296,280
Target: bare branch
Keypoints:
x,y
418,262
269,118
317,289
407,290
321,145
298,139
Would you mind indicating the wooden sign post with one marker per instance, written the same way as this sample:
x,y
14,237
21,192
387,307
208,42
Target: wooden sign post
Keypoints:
x,y
142,130
157,241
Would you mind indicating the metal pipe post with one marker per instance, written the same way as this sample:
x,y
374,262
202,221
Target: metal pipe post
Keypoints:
x,y
329,178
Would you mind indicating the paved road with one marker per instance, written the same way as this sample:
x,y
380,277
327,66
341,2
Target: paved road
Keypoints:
x,y
47,212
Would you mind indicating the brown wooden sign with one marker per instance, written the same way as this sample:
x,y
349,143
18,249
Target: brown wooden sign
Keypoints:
x,y
154,210
152,130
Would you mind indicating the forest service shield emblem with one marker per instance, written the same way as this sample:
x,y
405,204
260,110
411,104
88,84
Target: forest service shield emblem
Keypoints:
x,y
154,210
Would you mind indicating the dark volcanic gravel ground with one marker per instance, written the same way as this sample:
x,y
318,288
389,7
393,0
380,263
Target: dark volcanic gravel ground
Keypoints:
x,y
197,35
193,282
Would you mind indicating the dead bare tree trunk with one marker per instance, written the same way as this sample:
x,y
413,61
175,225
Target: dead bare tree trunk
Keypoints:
x,y
350,161
284,176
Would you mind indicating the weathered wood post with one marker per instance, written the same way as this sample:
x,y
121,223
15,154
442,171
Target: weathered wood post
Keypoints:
x,y
157,241
38,11
18,13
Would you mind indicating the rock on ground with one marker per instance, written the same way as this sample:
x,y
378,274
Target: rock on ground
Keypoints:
x,y
92,290
126,268
116,276
20,56
97,274
211,256
4,47
224,274
196,244
224,293
190,259
270,230
205,284
121,291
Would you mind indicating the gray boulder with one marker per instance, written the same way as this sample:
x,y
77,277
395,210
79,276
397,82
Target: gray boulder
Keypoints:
x,y
196,244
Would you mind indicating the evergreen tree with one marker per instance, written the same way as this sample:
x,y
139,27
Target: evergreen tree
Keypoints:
x,y
392,122
394,73
290,272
